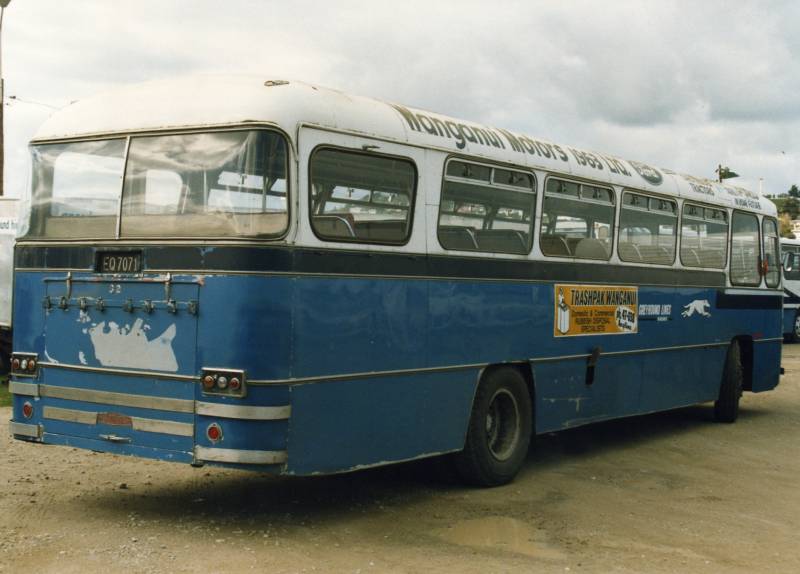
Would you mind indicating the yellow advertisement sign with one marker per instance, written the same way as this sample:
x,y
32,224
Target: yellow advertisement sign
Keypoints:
x,y
595,310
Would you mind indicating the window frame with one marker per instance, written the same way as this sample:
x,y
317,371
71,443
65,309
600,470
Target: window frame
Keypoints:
x,y
649,196
727,235
534,191
777,237
291,153
360,151
760,282
581,183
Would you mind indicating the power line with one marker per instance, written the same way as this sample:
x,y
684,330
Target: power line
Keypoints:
x,y
16,99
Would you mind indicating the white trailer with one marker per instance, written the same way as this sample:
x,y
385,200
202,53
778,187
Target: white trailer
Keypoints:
x,y
9,210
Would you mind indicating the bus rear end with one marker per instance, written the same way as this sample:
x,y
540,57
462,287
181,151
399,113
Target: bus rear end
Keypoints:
x,y
126,340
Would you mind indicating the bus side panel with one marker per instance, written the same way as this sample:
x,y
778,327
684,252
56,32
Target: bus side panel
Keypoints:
x,y
487,322
766,366
676,379
565,400
347,325
246,323
347,425
28,312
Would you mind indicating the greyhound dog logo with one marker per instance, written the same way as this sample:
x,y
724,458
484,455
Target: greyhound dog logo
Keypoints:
x,y
698,306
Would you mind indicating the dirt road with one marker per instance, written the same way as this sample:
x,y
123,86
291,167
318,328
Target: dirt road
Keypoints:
x,y
672,492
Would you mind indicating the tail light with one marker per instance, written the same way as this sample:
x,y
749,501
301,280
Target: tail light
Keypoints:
x,y
24,364
214,432
227,382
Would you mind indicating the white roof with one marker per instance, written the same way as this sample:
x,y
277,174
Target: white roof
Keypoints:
x,y
224,100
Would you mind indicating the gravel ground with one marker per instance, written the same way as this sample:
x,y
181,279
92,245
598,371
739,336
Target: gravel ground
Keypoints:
x,y
671,492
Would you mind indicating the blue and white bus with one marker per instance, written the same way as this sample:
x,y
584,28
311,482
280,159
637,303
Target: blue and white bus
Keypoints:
x,y
277,276
790,257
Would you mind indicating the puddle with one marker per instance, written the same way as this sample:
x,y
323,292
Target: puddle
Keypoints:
x,y
500,533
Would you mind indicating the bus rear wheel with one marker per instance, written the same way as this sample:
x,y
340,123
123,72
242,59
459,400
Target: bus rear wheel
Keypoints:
x,y
499,431
726,407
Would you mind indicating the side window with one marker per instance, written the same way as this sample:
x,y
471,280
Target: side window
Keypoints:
x,y
486,208
773,270
744,249
791,266
577,220
361,197
647,229
704,236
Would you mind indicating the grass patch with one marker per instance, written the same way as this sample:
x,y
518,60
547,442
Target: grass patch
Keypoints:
x,y
5,396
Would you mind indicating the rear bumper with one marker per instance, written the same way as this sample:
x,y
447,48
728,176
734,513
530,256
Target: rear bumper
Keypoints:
x,y
160,427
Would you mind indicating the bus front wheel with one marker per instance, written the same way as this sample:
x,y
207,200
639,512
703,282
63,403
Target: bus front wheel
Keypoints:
x,y
794,337
499,431
726,407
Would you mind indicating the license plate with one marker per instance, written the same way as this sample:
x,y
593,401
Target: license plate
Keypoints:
x,y
119,262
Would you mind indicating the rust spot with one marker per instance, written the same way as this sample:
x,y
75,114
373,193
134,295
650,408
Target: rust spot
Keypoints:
x,y
114,419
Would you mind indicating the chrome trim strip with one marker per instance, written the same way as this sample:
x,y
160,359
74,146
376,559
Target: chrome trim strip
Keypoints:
x,y
70,415
163,427
215,272
771,340
373,374
661,349
243,412
115,371
28,389
137,423
204,453
755,291
119,399
363,375
22,429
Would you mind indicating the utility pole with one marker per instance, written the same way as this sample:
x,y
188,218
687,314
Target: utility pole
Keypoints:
x,y
3,4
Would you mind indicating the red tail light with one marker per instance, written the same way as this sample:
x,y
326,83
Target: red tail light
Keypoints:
x,y
214,432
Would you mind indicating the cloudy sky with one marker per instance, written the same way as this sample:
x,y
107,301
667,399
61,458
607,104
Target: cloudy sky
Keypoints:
x,y
681,85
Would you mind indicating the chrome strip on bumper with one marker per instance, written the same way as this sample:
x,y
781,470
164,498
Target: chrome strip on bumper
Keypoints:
x,y
244,412
137,423
22,429
203,453
29,389
118,399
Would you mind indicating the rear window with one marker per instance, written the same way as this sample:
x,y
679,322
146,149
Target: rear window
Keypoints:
x,y
214,184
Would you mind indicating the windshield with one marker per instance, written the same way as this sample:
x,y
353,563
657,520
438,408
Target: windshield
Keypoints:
x,y
188,185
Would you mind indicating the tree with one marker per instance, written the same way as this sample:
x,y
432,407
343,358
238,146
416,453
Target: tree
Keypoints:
x,y
794,191
785,223
792,207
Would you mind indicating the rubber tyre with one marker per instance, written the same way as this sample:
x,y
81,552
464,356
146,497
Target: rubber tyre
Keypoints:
x,y
726,407
794,336
499,431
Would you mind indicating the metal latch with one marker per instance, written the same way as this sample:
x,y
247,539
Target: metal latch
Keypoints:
x,y
115,438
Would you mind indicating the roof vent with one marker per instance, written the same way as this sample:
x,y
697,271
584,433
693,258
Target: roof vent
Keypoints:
x,y
272,83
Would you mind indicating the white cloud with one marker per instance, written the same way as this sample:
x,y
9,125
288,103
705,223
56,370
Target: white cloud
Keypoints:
x,y
677,84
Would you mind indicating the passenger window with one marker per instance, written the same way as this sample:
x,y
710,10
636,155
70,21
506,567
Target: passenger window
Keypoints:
x,y
744,249
577,220
486,208
773,271
704,236
647,229
361,197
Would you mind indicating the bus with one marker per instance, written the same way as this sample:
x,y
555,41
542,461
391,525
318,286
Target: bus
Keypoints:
x,y
790,257
268,274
